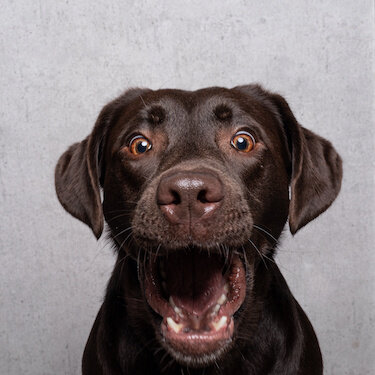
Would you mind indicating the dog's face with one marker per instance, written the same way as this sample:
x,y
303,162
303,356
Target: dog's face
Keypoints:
x,y
196,190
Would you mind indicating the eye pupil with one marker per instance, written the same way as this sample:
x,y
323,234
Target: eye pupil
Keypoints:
x,y
142,147
242,143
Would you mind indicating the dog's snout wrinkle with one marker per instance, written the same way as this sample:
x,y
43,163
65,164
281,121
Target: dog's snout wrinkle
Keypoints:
x,y
186,197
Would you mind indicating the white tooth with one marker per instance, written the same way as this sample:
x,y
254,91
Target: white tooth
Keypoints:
x,y
226,288
216,308
175,326
221,323
176,309
222,299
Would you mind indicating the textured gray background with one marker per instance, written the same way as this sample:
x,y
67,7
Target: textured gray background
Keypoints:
x,y
60,62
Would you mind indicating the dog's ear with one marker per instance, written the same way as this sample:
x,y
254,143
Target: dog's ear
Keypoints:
x,y
316,169
77,177
80,170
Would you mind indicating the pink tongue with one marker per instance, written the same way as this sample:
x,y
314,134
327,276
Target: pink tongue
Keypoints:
x,y
195,280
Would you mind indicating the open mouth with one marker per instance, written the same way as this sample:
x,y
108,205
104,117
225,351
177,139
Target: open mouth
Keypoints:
x,y
196,294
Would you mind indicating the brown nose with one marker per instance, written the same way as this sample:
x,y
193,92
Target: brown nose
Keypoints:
x,y
188,196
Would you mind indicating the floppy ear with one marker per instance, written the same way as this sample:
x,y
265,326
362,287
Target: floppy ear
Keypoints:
x,y
80,170
316,169
77,179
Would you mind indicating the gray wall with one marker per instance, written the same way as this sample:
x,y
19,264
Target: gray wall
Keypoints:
x,y
60,62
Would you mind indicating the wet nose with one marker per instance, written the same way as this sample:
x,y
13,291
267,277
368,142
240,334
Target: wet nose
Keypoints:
x,y
189,196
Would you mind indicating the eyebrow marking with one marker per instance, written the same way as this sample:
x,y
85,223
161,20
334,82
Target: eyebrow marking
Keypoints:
x,y
156,115
223,112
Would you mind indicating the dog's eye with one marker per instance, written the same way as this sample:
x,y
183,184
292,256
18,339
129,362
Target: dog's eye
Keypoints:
x,y
139,145
243,141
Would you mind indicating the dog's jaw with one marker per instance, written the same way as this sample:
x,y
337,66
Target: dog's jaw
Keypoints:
x,y
197,323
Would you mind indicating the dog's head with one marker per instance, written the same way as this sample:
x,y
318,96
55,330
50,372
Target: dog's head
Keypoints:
x,y
197,187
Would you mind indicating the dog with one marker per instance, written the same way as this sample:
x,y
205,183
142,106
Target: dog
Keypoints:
x,y
196,188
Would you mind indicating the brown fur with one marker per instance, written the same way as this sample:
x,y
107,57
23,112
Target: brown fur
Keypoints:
x,y
191,132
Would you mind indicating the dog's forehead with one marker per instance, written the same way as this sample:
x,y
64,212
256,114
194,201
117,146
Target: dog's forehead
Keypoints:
x,y
194,104
203,109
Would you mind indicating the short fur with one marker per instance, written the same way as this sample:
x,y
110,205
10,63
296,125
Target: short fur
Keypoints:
x,y
191,130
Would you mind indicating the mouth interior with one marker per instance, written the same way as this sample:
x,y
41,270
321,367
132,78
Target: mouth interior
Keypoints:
x,y
196,294
194,281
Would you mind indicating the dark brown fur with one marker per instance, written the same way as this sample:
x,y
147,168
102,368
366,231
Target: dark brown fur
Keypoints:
x,y
191,131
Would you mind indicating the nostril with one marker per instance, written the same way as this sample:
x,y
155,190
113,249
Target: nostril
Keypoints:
x,y
211,193
202,196
176,197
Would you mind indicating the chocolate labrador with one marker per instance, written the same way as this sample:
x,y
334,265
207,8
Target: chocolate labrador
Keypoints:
x,y
197,187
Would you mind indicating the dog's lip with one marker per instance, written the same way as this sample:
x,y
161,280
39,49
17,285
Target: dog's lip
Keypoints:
x,y
215,323
195,345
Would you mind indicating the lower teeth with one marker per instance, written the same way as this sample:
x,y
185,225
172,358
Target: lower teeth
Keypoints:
x,y
176,327
221,323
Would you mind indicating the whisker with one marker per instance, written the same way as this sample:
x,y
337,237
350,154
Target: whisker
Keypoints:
x,y
134,299
123,242
246,261
122,265
243,357
260,254
217,365
122,209
124,213
123,231
265,231
138,270
144,261
157,252
231,254
169,364
158,350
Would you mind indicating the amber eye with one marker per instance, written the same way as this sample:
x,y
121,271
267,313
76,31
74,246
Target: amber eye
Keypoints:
x,y
243,141
139,145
